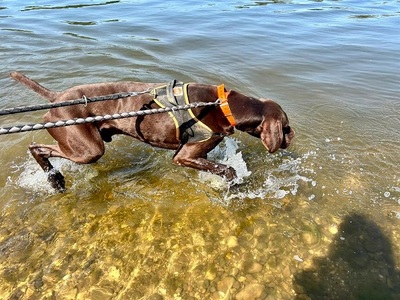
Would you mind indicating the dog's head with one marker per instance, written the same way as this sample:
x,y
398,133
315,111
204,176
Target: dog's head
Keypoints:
x,y
273,127
275,132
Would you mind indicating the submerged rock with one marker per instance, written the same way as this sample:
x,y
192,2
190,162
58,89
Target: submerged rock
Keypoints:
x,y
251,291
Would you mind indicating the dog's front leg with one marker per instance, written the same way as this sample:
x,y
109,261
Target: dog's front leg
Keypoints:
x,y
194,156
206,165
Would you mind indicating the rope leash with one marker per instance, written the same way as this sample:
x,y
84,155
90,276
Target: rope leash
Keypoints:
x,y
84,100
77,121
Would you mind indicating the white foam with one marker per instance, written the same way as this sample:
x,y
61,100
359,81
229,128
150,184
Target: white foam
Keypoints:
x,y
235,160
282,176
34,179
214,181
226,154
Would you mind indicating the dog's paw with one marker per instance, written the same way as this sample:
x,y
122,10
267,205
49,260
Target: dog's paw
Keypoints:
x,y
56,180
229,174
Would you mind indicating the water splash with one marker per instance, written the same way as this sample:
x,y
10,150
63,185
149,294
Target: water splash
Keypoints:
x,y
227,154
277,185
283,176
32,178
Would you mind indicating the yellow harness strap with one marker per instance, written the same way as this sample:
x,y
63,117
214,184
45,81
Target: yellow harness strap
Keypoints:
x,y
189,129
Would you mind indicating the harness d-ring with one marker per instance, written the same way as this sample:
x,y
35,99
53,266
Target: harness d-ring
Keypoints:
x,y
85,99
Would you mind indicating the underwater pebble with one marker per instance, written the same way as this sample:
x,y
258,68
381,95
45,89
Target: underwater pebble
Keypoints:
x,y
156,297
250,291
286,272
66,277
225,284
232,241
309,238
114,273
298,258
101,293
69,293
254,268
211,274
333,229
198,240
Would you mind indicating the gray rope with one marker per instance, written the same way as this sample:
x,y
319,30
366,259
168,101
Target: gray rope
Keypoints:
x,y
77,121
84,100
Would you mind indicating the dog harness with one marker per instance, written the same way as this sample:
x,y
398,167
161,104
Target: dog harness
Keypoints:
x,y
189,129
226,110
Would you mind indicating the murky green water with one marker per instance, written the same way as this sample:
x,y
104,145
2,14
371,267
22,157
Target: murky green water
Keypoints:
x,y
317,221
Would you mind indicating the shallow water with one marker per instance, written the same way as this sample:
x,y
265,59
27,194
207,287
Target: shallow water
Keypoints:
x,y
319,220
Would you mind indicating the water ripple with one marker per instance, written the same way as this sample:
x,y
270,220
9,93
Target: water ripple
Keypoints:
x,y
134,225
63,7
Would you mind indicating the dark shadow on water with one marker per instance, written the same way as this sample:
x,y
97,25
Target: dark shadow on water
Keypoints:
x,y
359,265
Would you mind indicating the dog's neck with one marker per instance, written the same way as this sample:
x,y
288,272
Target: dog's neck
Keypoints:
x,y
247,111
226,109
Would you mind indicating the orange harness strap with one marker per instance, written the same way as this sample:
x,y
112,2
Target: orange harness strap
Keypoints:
x,y
223,96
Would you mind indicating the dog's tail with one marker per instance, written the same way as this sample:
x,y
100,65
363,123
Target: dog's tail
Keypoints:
x,y
33,85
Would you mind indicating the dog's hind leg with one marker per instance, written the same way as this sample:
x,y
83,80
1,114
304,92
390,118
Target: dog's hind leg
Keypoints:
x,y
42,153
81,144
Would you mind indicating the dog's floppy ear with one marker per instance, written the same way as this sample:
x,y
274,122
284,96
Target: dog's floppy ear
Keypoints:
x,y
271,134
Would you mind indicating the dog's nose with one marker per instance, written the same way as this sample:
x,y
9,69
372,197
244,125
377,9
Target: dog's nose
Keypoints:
x,y
288,134
287,130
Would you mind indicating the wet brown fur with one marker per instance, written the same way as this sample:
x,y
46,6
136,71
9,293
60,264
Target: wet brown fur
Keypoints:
x,y
84,143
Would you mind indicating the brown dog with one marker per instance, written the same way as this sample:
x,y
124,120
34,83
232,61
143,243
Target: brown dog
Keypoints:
x,y
191,133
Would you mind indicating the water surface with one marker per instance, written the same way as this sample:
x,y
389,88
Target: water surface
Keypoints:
x,y
317,221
